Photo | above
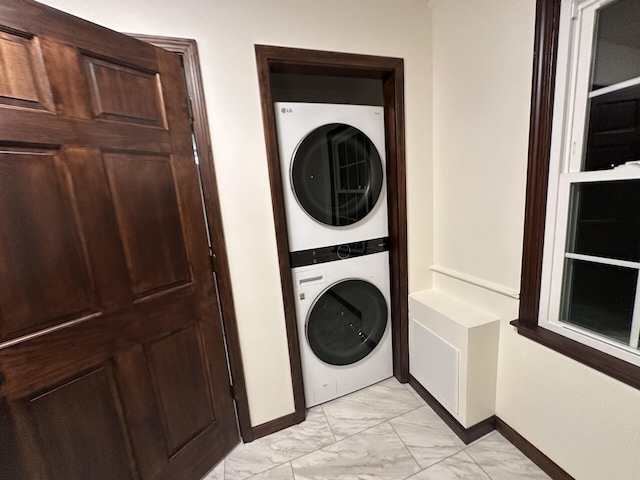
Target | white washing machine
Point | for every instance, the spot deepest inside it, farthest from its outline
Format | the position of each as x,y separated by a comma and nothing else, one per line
344,320
333,172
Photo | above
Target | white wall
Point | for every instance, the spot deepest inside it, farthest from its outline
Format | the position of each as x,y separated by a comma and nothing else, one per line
226,32
586,422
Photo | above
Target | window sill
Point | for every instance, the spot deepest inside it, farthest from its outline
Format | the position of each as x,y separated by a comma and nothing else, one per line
602,362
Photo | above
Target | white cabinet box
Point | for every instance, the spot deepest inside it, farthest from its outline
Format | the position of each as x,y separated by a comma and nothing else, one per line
453,354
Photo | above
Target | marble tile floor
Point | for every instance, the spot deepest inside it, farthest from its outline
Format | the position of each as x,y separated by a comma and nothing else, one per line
383,432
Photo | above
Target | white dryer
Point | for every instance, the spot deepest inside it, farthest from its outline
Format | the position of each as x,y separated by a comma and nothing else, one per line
333,173
343,313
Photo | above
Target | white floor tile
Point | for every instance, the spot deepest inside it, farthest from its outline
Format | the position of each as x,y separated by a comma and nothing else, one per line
281,447
283,472
458,467
426,436
415,394
376,453
383,432
363,409
217,473
502,461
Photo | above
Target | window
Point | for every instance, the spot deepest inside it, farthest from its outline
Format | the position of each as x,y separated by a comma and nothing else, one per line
581,261
592,247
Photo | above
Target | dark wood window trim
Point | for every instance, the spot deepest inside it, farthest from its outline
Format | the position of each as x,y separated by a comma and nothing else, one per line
187,48
544,70
391,70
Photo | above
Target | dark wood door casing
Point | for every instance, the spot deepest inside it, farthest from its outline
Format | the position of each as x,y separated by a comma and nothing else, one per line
111,350
391,71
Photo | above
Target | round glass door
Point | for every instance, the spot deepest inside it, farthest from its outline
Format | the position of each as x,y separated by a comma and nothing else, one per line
347,322
337,174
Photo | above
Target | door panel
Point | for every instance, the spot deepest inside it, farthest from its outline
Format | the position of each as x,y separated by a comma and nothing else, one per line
148,220
171,360
111,343
124,94
80,429
24,83
46,272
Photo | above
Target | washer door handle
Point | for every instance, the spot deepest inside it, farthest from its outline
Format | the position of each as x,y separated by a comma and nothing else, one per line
309,279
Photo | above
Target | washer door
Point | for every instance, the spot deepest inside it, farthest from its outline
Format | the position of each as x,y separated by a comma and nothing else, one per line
347,322
336,174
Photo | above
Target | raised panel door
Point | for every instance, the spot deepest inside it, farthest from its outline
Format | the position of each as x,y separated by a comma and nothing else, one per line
111,348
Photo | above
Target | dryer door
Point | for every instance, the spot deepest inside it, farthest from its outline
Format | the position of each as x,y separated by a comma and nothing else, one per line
347,322
337,174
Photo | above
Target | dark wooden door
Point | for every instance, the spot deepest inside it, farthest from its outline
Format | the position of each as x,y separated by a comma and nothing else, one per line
111,351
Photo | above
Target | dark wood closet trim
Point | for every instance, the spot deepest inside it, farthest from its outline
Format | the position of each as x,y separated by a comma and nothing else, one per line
467,435
391,71
274,426
541,122
187,48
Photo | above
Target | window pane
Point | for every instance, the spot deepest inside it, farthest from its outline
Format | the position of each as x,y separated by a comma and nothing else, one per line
617,48
599,298
613,135
605,220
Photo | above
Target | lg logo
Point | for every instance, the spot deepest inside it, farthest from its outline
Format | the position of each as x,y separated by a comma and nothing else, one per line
286,110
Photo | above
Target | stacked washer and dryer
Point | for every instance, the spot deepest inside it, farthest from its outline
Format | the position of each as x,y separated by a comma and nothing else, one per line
333,173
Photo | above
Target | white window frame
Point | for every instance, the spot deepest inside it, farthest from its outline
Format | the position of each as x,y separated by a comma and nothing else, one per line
575,44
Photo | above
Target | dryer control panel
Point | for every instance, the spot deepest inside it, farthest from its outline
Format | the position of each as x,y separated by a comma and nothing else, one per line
338,252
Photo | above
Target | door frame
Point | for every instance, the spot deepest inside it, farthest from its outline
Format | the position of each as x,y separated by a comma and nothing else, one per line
187,49
272,59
